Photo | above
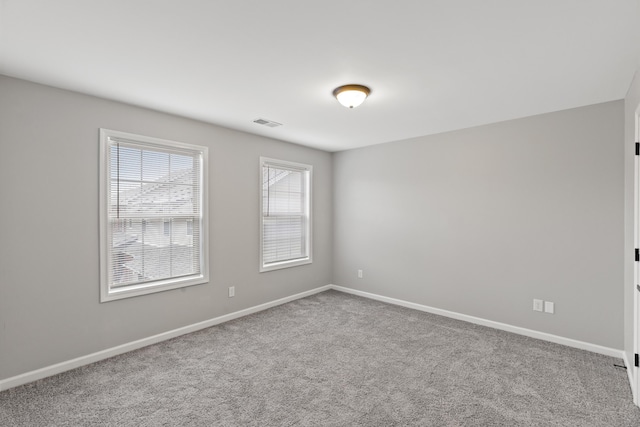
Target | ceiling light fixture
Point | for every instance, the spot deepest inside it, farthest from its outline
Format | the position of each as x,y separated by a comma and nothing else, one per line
351,95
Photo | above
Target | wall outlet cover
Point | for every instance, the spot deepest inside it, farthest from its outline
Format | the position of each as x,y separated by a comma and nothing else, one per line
549,307
537,305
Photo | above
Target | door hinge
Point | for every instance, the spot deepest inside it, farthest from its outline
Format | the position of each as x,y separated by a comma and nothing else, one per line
637,361
637,254
637,148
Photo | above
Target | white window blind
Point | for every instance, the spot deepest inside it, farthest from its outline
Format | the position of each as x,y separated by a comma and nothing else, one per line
154,230
285,218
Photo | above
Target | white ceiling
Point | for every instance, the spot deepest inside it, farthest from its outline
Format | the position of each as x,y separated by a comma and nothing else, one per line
432,65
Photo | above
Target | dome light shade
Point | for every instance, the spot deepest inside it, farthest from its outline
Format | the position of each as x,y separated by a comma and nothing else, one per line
351,95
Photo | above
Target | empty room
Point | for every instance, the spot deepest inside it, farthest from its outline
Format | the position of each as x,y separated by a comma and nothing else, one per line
336,213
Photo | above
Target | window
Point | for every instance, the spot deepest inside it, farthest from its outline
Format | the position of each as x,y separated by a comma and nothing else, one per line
285,220
153,221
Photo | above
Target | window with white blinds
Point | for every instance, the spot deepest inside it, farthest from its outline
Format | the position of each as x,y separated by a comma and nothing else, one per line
285,206
153,222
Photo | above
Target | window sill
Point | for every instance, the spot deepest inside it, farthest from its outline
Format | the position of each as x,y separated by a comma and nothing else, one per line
150,288
284,264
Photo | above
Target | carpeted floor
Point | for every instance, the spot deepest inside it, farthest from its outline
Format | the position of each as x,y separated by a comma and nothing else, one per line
334,359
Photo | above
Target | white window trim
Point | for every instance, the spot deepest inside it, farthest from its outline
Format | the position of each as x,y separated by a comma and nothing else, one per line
108,294
309,197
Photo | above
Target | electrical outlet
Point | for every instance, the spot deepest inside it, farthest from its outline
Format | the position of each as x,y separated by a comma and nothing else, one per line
232,291
549,307
537,305
359,274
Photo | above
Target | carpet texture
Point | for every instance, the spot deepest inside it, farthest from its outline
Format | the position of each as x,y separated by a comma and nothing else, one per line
334,359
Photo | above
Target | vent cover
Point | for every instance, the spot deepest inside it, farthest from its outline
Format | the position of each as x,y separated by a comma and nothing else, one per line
266,122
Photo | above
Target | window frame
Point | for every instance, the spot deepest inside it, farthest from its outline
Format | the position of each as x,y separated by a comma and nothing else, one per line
308,170
107,291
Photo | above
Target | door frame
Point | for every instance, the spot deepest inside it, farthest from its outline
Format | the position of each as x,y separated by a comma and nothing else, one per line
633,371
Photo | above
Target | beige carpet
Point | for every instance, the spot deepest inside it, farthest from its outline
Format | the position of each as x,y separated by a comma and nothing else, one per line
335,360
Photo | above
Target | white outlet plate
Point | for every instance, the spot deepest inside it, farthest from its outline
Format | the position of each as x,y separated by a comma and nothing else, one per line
232,291
359,274
549,307
537,304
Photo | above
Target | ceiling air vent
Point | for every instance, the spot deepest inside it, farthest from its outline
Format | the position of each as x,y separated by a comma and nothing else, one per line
269,123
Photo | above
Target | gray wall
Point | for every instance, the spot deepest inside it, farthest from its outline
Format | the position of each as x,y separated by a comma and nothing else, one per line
481,221
631,108
49,277
478,221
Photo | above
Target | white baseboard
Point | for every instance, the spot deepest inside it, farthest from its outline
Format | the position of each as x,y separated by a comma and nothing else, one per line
630,369
490,323
134,345
48,371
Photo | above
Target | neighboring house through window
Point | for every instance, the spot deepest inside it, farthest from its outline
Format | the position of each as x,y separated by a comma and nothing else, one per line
153,221
285,220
